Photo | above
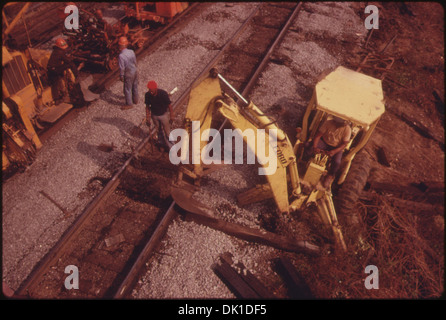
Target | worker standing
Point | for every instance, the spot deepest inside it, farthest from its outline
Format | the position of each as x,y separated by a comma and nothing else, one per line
58,64
128,73
157,103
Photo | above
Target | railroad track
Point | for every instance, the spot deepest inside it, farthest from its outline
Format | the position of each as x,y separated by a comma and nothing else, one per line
119,230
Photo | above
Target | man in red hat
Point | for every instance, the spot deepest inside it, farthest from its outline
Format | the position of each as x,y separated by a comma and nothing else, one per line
157,103
58,63
128,73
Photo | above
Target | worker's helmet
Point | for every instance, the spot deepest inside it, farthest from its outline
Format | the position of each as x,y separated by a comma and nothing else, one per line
61,43
151,85
123,42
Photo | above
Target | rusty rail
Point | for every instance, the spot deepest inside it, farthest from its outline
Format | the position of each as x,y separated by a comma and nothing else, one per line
56,252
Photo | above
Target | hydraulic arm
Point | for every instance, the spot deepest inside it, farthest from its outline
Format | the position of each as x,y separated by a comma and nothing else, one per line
280,167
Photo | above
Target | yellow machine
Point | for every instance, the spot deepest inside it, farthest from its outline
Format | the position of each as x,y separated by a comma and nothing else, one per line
27,104
343,93
358,99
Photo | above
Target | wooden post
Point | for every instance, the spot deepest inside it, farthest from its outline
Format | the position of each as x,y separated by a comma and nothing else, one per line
255,235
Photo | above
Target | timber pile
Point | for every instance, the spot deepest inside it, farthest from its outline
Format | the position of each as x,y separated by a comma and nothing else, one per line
246,286
297,287
407,249
402,234
252,235
400,239
415,197
240,280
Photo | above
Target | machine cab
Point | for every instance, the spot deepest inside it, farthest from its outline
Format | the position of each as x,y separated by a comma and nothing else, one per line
349,95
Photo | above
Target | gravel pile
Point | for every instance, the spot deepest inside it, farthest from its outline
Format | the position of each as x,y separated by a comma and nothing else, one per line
333,20
278,89
184,268
181,270
308,60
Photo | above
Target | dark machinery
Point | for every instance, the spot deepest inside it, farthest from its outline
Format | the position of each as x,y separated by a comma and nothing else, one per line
96,41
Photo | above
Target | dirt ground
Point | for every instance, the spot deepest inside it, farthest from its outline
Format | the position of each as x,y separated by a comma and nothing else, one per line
418,70
406,243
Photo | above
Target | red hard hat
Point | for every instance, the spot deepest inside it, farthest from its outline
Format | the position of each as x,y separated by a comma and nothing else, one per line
61,43
123,41
151,85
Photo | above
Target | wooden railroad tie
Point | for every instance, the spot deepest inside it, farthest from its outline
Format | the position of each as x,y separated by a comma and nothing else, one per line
297,287
241,282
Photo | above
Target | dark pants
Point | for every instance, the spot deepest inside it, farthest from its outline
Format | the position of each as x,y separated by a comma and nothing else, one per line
335,159
131,89
58,89
163,128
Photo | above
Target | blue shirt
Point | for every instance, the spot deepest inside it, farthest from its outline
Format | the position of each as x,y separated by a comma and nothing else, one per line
127,63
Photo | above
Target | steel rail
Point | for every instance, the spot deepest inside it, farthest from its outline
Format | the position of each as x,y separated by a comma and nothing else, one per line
131,277
94,205
128,282
55,253
266,58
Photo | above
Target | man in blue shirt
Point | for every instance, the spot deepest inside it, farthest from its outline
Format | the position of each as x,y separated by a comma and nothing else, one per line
128,73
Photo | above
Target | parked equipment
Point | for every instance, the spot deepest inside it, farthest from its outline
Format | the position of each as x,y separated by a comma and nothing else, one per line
28,105
95,42
162,12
